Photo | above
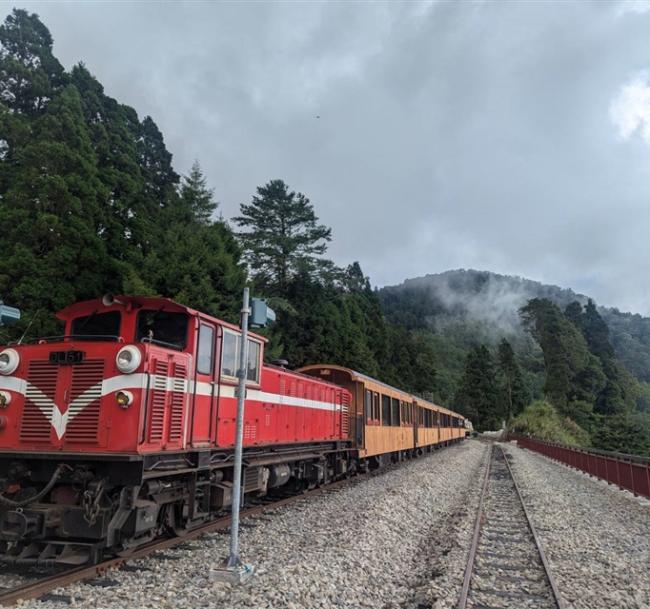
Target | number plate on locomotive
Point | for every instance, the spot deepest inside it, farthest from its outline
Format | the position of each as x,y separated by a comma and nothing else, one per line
66,357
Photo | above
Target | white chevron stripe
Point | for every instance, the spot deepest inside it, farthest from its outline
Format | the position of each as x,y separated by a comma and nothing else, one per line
60,420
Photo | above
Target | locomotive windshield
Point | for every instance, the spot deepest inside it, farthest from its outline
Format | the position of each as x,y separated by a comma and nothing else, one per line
97,326
163,328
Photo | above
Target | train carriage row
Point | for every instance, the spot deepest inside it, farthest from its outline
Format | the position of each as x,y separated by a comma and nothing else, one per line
387,422
123,428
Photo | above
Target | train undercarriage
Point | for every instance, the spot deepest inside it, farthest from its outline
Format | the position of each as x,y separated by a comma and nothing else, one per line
76,509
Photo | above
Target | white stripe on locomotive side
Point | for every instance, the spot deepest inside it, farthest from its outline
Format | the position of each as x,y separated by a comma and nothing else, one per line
170,383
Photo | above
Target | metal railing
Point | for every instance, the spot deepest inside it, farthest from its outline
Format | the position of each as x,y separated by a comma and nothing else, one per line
628,472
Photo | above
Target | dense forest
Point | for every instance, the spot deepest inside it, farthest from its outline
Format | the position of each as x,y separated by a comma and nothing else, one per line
90,203
503,343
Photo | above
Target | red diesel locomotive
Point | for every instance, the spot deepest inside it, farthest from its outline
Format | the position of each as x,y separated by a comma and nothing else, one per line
123,429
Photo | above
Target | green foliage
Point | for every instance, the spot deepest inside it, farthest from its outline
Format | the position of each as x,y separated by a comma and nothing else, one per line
572,372
513,392
89,200
541,420
477,395
626,433
197,199
282,238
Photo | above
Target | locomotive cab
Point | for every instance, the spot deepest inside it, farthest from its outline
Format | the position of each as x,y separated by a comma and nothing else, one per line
85,391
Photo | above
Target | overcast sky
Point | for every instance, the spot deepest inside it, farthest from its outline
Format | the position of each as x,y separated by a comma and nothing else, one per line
509,136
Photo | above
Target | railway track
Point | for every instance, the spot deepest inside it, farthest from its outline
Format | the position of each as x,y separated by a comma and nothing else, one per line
28,584
506,567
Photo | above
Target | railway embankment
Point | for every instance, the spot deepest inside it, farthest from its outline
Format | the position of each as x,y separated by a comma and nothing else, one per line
373,544
400,539
596,537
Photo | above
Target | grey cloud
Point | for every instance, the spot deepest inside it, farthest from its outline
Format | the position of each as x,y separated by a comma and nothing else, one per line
451,134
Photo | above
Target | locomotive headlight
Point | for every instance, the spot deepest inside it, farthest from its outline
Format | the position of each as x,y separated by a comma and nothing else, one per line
124,399
9,360
128,359
5,399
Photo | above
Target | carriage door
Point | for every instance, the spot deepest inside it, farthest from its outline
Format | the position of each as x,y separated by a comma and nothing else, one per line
204,386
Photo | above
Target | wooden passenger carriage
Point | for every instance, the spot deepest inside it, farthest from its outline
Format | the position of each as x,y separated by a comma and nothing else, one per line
387,421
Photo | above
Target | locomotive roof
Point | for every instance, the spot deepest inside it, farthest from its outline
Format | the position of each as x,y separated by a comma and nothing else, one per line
359,376
121,302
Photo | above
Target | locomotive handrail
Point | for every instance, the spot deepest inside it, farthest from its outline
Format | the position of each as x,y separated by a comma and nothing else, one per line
67,337
162,343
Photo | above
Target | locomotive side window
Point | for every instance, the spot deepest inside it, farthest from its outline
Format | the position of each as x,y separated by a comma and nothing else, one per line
253,369
230,354
162,328
230,358
97,326
205,352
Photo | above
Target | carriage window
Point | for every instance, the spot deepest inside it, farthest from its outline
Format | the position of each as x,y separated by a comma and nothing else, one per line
368,404
253,372
385,410
162,328
394,415
375,406
97,326
230,354
205,352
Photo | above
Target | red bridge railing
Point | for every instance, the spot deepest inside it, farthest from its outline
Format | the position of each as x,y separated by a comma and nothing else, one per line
626,471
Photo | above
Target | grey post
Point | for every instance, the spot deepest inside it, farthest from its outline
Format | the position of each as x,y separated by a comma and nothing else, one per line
233,559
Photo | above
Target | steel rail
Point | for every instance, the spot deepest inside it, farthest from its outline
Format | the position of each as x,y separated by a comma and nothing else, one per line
43,586
464,594
538,542
462,602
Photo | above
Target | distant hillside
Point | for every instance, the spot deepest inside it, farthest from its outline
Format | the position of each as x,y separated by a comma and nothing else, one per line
464,307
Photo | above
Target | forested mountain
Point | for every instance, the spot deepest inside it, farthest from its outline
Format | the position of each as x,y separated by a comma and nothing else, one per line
590,363
480,306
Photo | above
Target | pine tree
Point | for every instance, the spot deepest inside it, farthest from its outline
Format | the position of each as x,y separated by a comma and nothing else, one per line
30,75
196,197
477,396
283,237
513,389
573,373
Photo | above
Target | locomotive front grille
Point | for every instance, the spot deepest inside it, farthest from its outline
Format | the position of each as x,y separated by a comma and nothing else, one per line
41,391
85,394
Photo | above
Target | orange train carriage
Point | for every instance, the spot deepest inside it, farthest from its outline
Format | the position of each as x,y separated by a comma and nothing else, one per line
386,422
123,428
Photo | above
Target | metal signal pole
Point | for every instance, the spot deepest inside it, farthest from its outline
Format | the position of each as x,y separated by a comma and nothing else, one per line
234,571
233,559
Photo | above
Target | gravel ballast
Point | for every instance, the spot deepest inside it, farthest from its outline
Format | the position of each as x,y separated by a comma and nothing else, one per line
395,540
596,537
